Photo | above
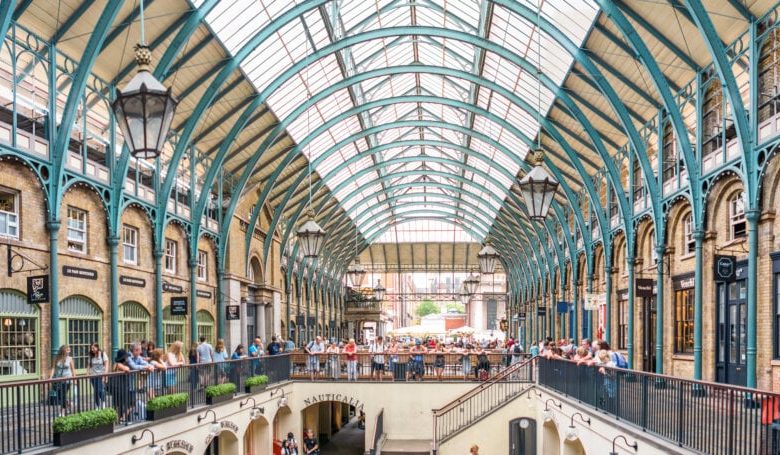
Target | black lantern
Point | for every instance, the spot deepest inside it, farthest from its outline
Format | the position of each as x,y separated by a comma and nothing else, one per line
144,109
487,258
538,188
311,236
464,297
356,273
379,291
471,284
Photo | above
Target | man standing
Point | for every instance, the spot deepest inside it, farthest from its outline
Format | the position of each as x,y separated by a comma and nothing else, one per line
274,347
205,355
255,352
378,360
314,349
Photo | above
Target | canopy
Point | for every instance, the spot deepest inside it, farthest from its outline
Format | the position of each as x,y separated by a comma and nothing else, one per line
462,331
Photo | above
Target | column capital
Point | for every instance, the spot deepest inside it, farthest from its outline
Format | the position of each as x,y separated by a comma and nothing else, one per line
53,225
752,215
158,253
112,240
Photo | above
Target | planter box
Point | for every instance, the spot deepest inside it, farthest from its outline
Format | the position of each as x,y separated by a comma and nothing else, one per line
254,388
218,399
62,439
167,412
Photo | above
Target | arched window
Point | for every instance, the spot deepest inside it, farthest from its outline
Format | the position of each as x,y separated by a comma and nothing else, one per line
173,327
133,324
769,76
80,324
19,352
689,246
205,324
712,113
737,215
669,153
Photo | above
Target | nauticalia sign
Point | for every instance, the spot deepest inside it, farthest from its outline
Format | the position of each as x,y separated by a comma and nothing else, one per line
334,397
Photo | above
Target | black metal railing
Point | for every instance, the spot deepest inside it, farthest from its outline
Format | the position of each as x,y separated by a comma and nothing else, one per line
482,400
28,409
401,366
702,416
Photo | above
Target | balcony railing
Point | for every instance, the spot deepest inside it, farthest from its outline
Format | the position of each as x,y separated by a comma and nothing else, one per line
705,417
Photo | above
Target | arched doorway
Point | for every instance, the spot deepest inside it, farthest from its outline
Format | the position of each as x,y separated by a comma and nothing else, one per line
336,427
257,437
573,447
551,441
225,443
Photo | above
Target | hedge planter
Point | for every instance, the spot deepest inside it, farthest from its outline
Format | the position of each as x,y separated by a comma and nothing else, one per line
219,393
72,437
166,412
255,384
254,388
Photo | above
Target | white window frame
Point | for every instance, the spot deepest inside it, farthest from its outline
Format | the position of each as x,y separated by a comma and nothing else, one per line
11,218
736,215
171,250
130,244
689,244
75,244
202,265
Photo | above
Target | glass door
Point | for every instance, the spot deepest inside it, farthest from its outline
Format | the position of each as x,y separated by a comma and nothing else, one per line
732,333
648,318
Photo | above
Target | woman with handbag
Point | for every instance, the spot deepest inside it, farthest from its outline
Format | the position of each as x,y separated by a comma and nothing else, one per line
98,366
62,368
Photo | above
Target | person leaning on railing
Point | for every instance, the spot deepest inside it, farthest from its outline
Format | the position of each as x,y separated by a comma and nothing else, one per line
334,364
62,368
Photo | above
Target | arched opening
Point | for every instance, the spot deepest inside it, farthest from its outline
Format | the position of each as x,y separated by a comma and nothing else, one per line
173,327
205,322
19,354
551,440
133,324
223,443
81,324
254,272
335,425
573,447
522,436
257,437
283,424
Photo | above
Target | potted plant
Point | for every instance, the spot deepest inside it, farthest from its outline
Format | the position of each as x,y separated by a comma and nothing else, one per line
255,384
219,393
166,406
83,426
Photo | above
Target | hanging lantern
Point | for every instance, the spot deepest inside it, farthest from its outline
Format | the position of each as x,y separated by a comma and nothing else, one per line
379,291
487,258
356,273
464,297
471,284
144,109
538,188
311,236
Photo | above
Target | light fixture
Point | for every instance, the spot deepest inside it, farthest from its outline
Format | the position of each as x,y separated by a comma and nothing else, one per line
488,257
538,186
548,413
311,236
571,433
379,291
214,427
151,449
144,108
471,284
256,411
7,322
620,436
356,273
282,400
464,297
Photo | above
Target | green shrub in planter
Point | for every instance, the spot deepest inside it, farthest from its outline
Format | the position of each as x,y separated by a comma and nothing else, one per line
255,384
83,425
220,392
166,405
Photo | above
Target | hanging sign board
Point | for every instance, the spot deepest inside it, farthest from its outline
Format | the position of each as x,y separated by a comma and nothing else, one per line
179,306
541,311
78,272
233,312
38,289
622,294
521,316
725,268
645,287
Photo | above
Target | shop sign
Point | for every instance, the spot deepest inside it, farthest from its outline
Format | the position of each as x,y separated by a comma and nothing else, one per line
233,312
332,324
38,289
521,316
645,287
725,268
168,287
686,281
541,311
178,306
78,272
325,397
622,294
311,321
563,307
132,281
203,294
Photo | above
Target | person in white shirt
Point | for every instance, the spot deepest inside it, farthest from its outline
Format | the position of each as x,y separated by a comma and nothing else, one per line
378,360
314,349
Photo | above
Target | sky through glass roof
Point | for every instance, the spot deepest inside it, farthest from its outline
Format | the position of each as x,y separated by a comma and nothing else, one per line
426,158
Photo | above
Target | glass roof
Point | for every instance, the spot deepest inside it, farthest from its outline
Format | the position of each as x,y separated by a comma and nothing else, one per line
373,186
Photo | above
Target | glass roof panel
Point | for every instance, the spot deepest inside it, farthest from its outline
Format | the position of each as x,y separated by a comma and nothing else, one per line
236,21
416,229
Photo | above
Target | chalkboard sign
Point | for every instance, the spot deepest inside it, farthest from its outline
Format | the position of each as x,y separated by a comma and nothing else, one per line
179,306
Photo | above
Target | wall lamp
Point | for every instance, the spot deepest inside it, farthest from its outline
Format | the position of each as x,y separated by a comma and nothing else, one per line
152,449
547,413
620,436
532,392
256,411
571,433
214,427
282,400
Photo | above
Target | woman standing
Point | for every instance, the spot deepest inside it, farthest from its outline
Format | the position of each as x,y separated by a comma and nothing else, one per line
438,362
194,359
351,351
333,360
220,356
156,379
98,366
119,386
62,368
236,368
173,362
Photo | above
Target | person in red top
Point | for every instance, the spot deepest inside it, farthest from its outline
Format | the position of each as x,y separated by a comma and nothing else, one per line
351,351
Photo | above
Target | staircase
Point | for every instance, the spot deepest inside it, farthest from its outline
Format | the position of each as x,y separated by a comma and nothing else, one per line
406,447
480,402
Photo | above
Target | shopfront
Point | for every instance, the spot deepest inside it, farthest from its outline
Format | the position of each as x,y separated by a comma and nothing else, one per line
646,290
732,325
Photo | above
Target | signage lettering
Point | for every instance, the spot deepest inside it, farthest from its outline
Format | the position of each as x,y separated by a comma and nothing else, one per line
203,294
232,313
178,306
179,444
168,287
78,272
521,315
725,268
683,282
541,311
132,281
645,287
38,289
229,425
333,397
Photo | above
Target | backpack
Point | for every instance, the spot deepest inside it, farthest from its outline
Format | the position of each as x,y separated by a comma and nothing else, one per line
517,349
620,360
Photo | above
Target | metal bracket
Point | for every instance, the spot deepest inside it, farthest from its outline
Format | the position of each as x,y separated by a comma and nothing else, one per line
16,262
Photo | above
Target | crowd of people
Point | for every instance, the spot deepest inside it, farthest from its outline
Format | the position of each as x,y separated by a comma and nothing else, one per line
589,352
